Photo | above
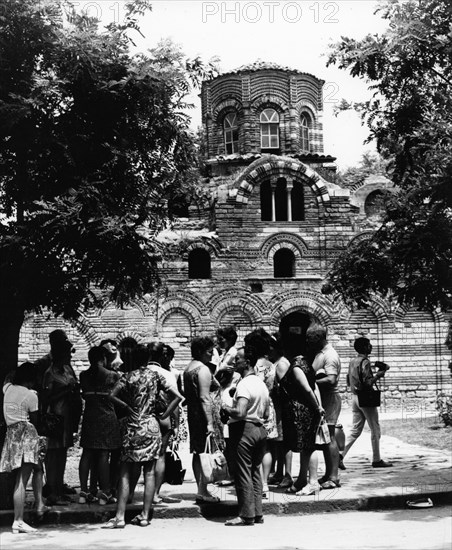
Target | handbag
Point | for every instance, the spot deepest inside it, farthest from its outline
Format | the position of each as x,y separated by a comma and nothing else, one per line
322,434
367,396
214,467
174,473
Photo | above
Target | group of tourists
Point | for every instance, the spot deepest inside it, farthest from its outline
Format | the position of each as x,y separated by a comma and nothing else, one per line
258,404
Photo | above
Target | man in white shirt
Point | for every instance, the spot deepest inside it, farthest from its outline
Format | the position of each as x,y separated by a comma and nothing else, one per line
247,438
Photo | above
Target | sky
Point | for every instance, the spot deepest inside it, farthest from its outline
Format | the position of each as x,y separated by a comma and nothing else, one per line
296,34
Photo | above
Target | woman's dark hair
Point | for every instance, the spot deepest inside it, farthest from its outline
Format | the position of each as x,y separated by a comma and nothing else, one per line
361,344
260,340
228,333
24,373
140,356
96,354
126,347
199,345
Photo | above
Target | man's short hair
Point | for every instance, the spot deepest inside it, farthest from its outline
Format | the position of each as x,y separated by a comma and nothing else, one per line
156,350
361,344
316,337
260,341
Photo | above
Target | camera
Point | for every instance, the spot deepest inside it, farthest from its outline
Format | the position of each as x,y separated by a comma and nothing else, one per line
381,366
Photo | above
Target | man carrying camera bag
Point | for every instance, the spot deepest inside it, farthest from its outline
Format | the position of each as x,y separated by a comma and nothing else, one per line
360,379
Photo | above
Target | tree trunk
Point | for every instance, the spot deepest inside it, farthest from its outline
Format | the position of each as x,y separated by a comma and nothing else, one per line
11,320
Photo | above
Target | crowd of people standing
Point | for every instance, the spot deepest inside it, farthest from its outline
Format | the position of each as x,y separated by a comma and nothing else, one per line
258,403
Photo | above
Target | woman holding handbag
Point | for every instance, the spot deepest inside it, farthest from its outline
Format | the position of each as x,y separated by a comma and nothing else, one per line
361,377
201,390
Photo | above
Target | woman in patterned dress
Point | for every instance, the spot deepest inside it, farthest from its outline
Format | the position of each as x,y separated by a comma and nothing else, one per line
23,449
301,413
137,393
202,397
100,426
283,456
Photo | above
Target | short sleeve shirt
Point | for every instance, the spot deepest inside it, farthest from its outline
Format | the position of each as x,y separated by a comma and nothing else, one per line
18,402
255,391
356,364
328,361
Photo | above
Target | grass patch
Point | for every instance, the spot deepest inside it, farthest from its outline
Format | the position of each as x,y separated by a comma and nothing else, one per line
428,432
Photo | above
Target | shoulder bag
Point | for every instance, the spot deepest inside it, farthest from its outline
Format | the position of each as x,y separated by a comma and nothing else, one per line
368,396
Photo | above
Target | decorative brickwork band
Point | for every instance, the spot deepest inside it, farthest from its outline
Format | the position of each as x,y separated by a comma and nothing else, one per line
271,166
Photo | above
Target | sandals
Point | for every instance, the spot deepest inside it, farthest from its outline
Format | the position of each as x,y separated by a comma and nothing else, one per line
330,484
114,523
201,499
140,521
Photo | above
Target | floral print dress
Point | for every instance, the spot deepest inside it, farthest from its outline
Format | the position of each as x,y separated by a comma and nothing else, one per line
265,369
141,438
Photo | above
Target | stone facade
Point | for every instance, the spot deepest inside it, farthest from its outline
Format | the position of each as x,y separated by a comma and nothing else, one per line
259,256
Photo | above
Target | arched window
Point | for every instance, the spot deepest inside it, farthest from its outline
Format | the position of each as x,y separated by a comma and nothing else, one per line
231,133
284,263
297,201
281,200
266,201
374,205
269,120
305,125
199,264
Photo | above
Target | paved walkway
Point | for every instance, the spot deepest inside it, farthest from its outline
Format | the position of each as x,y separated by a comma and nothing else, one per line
418,472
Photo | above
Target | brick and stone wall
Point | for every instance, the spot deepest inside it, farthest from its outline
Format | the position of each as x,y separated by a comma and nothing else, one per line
242,289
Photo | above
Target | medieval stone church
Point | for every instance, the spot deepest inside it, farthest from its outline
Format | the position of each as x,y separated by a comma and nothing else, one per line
259,256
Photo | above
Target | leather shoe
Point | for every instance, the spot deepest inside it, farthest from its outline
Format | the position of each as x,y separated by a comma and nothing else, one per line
381,464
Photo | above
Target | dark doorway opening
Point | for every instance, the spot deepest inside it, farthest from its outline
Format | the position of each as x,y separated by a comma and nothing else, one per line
293,329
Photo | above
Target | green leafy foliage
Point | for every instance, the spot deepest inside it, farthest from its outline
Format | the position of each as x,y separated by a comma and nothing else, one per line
369,165
409,71
94,146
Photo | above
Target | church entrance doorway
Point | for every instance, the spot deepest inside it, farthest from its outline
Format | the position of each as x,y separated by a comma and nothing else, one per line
293,329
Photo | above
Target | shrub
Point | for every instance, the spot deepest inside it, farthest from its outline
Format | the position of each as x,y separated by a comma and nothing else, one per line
444,408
